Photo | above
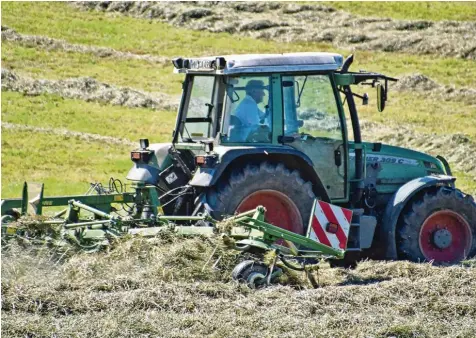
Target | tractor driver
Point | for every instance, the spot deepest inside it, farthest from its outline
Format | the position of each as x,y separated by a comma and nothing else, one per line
248,111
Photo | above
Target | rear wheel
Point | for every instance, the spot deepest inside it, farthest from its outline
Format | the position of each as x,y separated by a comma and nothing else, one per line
440,227
286,196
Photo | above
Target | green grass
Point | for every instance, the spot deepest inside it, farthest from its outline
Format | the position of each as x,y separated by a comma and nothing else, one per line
65,165
141,36
465,182
160,77
417,10
424,114
89,117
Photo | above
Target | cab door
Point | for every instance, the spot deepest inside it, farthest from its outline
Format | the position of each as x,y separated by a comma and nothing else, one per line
314,124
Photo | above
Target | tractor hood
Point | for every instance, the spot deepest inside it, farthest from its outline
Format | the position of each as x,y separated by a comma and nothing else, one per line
388,167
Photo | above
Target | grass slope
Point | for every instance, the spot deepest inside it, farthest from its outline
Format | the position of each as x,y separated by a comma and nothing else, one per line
169,287
88,117
57,64
142,36
66,165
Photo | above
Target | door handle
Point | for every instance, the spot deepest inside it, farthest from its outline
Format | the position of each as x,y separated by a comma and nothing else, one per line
338,157
286,139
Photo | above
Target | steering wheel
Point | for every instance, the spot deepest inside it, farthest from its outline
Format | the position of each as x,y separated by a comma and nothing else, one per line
261,134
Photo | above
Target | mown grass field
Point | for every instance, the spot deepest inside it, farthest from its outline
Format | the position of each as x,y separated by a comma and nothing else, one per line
169,288
176,287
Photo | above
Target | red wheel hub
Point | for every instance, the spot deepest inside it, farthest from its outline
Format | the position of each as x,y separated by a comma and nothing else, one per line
445,237
280,209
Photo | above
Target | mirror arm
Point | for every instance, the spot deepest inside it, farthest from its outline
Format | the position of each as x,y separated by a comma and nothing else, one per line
359,96
354,94
302,89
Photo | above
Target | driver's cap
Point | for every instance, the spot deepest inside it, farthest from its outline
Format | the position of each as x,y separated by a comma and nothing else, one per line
255,84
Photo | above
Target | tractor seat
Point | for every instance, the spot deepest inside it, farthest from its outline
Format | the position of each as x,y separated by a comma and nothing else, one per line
235,129
235,121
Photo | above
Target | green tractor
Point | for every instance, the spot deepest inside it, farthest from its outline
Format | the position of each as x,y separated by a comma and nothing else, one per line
271,130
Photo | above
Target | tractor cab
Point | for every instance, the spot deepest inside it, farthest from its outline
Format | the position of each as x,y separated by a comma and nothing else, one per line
251,99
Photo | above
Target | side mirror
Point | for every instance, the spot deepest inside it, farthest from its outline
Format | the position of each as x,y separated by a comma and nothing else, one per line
381,97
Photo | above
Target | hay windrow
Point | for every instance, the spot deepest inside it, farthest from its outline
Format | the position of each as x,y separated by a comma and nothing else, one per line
164,287
44,42
286,22
87,89
423,84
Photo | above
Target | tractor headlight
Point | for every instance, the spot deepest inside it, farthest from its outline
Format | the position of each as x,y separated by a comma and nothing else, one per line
141,156
206,161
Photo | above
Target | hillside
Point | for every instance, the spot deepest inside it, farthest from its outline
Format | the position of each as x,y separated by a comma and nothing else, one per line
90,62
83,82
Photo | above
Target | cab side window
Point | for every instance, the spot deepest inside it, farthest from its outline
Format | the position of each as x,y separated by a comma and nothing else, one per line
310,107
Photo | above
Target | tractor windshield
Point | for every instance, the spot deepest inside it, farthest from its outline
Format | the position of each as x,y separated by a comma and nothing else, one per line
198,112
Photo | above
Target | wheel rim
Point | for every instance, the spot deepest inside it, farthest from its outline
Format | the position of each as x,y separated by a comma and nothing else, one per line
280,209
445,237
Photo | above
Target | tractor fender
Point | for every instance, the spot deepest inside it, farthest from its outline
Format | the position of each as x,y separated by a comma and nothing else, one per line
396,204
149,172
229,157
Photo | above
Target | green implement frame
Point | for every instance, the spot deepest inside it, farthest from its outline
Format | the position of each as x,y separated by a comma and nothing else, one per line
38,202
249,230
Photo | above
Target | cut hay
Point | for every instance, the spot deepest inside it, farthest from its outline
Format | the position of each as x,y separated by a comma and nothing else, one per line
87,89
423,84
169,287
44,42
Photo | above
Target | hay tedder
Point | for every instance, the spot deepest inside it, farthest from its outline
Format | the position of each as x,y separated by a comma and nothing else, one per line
85,225
262,141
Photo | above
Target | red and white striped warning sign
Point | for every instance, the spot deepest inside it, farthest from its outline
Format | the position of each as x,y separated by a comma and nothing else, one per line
330,225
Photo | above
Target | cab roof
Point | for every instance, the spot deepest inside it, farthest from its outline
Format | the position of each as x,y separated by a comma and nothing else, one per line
259,63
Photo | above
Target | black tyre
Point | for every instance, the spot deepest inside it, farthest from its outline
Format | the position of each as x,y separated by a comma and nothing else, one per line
12,212
286,196
348,262
439,227
242,271
254,273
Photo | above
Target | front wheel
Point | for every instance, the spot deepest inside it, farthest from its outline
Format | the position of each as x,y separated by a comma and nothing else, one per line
440,227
